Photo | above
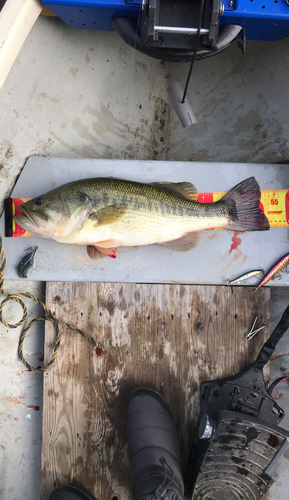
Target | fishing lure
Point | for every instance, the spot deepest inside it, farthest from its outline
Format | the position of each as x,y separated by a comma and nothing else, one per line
274,271
26,263
246,276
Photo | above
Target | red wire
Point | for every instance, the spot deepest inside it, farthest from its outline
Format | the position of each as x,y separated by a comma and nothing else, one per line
279,382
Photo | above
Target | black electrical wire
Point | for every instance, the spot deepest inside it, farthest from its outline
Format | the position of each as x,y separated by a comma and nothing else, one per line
195,49
270,346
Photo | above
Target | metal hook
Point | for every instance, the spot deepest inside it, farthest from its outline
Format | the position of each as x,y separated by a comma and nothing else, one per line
253,332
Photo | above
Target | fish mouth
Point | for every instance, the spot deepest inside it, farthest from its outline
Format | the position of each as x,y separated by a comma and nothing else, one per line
29,220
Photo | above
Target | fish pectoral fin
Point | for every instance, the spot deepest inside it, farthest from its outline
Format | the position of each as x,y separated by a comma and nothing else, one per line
185,243
185,189
109,214
94,218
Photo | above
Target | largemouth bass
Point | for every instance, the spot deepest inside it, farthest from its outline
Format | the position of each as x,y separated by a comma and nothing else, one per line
106,213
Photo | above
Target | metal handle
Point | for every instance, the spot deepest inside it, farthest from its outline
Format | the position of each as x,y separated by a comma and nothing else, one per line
180,31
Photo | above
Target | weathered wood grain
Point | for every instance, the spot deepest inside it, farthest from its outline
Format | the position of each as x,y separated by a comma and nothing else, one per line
170,337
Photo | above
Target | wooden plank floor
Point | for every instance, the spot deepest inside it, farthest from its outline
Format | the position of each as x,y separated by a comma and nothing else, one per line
170,337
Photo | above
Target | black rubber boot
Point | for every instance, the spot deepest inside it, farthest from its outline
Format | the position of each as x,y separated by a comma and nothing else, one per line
71,491
153,448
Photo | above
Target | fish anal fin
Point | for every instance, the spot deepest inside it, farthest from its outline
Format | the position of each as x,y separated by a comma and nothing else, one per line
184,189
185,243
109,214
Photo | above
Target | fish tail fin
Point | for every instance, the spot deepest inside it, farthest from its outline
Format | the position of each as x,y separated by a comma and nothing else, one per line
243,203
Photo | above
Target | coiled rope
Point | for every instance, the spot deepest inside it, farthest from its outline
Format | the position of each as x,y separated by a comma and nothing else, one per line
47,317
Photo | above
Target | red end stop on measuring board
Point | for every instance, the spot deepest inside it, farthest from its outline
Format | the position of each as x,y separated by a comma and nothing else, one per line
11,207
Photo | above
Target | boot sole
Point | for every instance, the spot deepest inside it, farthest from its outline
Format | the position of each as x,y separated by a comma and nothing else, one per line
75,488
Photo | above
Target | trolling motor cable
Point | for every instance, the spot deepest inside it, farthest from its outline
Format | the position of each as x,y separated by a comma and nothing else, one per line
195,50
47,317
178,97
270,345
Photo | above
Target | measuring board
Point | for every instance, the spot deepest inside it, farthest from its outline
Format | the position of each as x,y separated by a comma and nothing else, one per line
220,255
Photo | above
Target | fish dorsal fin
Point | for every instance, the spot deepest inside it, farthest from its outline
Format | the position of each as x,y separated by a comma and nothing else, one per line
185,189
109,214
183,244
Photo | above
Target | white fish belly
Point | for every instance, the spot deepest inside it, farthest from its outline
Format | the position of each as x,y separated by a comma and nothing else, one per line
136,229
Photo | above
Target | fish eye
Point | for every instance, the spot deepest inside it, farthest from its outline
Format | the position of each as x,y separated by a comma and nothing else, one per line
38,201
82,197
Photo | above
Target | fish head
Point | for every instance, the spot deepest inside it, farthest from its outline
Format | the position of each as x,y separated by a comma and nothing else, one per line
56,214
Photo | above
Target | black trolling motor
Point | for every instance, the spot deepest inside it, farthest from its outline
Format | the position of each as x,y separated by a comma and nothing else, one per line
238,449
